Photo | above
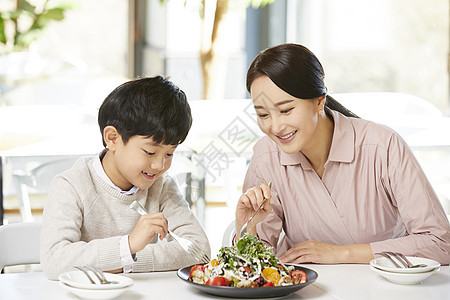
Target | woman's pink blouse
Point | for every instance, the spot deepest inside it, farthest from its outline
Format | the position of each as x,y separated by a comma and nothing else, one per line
372,191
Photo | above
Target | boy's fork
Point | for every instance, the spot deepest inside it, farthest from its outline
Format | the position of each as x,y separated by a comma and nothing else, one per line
187,245
99,274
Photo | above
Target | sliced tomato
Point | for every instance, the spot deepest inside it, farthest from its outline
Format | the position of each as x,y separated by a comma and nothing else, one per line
298,276
269,283
218,281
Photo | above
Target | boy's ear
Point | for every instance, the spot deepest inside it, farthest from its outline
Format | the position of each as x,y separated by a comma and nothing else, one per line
112,137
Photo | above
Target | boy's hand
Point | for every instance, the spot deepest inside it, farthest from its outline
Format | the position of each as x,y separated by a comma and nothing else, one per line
145,230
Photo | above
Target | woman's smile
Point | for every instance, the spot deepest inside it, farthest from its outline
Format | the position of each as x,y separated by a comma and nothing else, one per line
287,137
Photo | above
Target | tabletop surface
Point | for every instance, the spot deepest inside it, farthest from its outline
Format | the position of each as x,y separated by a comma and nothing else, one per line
334,282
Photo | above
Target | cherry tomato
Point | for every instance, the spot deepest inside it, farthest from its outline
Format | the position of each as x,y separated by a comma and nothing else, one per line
218,281
271,274
269,283
298,276
195,269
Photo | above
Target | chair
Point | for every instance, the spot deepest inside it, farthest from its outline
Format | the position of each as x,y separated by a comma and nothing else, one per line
19,244
38,180
190,179
228,235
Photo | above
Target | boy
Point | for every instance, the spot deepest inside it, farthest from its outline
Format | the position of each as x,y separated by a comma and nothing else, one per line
87,219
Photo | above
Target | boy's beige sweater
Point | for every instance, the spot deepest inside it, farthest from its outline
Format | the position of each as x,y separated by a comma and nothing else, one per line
84,219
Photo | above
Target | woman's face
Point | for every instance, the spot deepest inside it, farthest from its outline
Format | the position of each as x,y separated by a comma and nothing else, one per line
291,122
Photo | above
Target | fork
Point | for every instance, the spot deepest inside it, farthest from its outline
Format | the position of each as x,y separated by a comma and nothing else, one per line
187,245
401,258
86,273
244,228
99,274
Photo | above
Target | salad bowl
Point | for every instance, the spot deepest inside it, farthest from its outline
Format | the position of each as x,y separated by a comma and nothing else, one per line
249,293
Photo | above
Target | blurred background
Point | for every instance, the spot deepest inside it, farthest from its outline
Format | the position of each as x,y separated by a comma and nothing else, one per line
387,60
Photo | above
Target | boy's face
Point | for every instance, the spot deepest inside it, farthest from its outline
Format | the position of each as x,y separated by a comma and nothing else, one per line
138,162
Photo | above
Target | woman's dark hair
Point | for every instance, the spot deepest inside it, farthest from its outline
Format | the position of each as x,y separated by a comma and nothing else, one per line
152,107
295,70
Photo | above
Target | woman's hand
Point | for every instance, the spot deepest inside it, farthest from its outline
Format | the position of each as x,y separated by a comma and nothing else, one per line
313,251
145,230
248,203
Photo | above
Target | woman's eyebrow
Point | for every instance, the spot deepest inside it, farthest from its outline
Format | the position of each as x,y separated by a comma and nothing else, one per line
283,102
279,103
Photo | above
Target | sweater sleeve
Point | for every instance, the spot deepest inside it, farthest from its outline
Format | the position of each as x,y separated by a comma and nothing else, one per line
164,255
61,244
427,226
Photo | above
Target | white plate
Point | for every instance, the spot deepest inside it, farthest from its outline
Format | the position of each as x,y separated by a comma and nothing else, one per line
385,264
273,292
405,278
94,294
79,280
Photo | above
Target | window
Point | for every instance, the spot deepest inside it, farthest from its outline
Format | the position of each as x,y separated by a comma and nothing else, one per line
377,46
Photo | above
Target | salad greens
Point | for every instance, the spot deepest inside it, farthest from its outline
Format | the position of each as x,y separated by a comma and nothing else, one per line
247,264
248,251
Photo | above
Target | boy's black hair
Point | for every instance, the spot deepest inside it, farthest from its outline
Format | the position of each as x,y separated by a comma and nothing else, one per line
152,107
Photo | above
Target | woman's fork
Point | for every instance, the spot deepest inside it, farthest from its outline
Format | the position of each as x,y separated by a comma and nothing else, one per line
187,245
401,258
244,227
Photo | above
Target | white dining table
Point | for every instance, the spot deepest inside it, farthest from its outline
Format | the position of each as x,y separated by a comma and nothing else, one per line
345,282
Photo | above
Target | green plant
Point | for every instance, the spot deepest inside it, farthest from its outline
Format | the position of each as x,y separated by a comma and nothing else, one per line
26,20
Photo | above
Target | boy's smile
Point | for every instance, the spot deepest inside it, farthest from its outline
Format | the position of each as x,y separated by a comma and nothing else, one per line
138,163
148,175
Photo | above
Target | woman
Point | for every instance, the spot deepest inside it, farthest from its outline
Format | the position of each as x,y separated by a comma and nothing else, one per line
343,188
